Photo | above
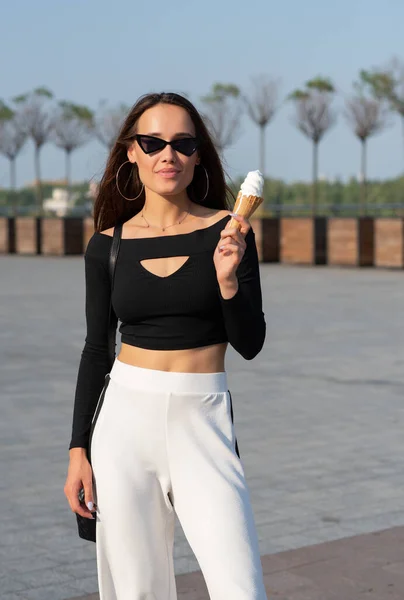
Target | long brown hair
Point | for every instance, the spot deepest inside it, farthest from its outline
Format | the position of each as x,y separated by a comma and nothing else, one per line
109,206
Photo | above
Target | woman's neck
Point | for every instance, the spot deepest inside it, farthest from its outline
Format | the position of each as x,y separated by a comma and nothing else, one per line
162,211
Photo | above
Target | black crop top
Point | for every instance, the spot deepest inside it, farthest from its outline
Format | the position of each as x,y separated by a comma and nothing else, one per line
182,310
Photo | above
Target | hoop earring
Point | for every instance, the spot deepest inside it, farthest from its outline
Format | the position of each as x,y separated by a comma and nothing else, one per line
207,183
117,185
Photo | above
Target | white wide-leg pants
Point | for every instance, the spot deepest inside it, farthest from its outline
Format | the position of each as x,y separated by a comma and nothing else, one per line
163,443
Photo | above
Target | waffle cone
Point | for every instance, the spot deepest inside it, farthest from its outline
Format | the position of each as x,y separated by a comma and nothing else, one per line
245,206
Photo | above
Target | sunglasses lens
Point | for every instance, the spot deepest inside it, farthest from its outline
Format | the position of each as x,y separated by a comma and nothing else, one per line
186,146
150,144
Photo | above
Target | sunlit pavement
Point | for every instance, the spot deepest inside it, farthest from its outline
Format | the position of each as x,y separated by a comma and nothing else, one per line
318,416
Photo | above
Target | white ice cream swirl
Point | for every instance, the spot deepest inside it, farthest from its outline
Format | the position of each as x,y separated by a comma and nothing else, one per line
253,184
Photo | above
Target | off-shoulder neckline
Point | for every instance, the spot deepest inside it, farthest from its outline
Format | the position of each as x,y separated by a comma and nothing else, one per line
165,237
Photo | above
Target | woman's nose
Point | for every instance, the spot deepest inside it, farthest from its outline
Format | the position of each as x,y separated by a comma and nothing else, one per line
168,154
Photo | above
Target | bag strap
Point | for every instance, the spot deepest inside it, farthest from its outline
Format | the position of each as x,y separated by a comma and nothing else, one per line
112,321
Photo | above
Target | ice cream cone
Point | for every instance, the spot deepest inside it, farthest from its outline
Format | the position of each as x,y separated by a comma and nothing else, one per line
245,206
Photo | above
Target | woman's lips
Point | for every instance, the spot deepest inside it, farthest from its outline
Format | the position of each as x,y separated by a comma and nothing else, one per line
168,174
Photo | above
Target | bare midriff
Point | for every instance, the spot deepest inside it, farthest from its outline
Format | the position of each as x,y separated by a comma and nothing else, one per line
206,359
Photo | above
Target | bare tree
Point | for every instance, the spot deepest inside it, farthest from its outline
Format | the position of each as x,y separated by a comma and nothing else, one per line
387,83
12,139
73,128
261,107
314,117
108,122
225,107
37,120
366,116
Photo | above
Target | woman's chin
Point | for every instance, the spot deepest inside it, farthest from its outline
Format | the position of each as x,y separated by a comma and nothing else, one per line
170,190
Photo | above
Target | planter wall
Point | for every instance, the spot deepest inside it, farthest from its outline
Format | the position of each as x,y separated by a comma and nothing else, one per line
303,240
4,235
296,240
389,243
366,245
354,242
351,242
26,235
270,240
52,236
73,235
320,242
342,241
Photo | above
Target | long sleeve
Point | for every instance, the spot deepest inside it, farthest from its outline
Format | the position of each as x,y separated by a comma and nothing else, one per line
94,363
243,316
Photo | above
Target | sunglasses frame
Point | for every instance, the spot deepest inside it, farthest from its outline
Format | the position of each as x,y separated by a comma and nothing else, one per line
139,137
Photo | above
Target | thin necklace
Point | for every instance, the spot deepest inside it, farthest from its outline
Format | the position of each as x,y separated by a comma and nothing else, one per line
164,228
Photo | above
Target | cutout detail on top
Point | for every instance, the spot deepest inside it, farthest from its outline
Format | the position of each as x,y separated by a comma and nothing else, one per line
164,267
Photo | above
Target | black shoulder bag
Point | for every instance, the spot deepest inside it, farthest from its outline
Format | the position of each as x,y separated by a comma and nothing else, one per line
87,527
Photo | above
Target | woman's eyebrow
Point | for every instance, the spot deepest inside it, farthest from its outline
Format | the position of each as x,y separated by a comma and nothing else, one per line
181,134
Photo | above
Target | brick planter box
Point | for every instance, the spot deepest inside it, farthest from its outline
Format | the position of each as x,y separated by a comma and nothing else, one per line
26,235
4,235
52,236
303,240
389,243
296,240
270,240
266,238
320,241
366,242
342,241
73,235
351,242
256,225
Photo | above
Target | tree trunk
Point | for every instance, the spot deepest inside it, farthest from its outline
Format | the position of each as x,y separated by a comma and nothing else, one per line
262,149
13,187
68,170
363,191
402,124
38,180
12,174
315,179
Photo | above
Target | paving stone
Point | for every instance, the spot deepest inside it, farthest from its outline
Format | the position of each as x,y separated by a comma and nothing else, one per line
8,583
51,592
87,585
44,577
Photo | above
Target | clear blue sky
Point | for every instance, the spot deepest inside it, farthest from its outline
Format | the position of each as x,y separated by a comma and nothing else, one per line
87,50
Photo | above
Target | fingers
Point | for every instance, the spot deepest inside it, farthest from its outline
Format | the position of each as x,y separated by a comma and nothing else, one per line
89,499
77,499
231,236
231,247
243,224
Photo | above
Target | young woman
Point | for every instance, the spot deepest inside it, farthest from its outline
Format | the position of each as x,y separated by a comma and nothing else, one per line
164,443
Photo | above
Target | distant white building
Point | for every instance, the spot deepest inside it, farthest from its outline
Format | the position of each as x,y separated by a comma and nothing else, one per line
59,203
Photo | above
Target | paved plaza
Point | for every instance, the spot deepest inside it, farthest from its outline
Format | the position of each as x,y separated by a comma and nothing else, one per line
319,417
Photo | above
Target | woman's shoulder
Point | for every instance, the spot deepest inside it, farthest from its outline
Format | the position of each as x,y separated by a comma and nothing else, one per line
99,245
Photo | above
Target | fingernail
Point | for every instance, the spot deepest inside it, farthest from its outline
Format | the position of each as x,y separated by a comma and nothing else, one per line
90,505
234,215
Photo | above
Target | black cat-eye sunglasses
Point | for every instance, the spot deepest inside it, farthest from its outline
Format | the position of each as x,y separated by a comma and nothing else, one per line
149,144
